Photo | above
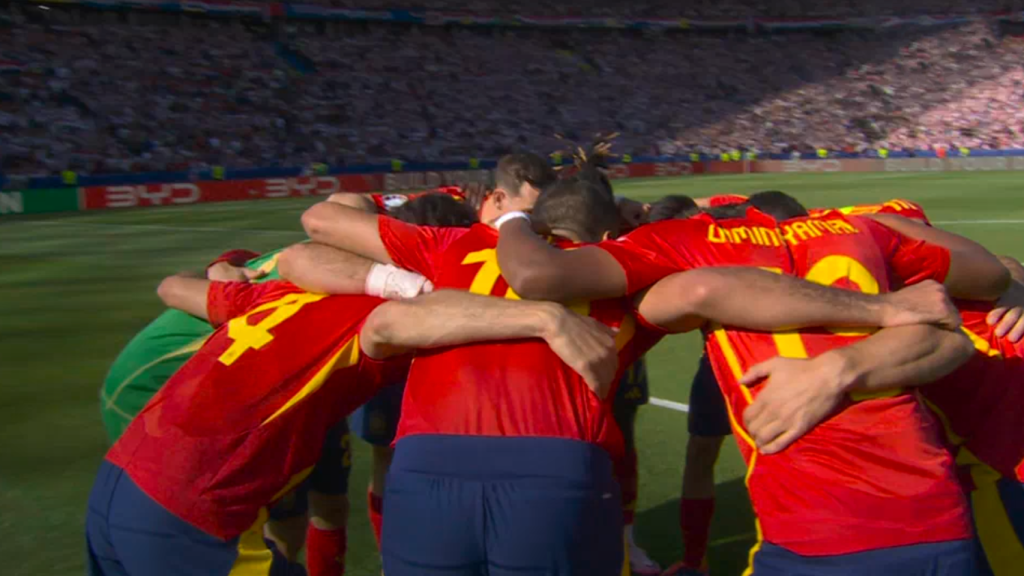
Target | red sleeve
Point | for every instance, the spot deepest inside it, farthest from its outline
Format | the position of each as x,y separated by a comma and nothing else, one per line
726,200
227,300
416,248
912,261
906,209
644,256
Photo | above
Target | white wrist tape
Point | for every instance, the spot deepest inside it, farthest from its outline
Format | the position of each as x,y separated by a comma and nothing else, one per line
510,216
393,283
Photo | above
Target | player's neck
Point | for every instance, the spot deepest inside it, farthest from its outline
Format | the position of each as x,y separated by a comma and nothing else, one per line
567,234
489,215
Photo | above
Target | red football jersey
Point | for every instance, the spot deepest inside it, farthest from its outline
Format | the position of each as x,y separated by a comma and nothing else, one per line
506,388
726,200
387,202
876,474
979,403
242,422
904,208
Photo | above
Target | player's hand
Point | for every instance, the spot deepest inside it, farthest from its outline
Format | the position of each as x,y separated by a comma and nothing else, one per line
225,272
1014,266
923,303
587,346
797,396
1008,315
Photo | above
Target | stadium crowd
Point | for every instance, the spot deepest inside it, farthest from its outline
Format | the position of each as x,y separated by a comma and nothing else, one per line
692,9
116,98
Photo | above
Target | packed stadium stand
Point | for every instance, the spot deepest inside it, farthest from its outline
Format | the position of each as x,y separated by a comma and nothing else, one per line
108,93
678,9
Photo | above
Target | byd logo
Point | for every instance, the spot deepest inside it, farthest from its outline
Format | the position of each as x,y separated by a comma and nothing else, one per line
285,187
150,195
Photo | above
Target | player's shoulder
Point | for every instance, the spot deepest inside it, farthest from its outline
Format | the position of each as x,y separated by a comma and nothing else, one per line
265,292
905,208
697,224
476,236
726,200
896,206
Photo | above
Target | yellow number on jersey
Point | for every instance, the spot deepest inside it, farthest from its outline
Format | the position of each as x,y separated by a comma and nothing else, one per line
827,272
253,337
488,274
487,277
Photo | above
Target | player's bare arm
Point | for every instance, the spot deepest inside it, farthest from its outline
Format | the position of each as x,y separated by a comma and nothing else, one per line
800,393
539,271
362,202
323,269
347,228
185,291
682,301
326,270
450,318
974,272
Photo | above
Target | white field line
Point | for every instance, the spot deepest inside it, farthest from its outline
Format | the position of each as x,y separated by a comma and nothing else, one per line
677,406
983,222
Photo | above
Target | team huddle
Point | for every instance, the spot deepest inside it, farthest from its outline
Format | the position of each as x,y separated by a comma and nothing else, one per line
490,347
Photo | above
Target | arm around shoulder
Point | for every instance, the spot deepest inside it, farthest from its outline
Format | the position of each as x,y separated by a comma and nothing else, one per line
185,292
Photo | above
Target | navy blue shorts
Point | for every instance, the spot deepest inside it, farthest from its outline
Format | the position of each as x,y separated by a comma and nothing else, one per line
708,415
377,420
940,559
129,534
329,476
473,505
634,389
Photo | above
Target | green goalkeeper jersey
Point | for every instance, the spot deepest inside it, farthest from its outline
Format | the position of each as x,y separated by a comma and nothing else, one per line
154,355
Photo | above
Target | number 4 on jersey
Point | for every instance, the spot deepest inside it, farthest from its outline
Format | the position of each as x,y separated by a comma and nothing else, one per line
247,337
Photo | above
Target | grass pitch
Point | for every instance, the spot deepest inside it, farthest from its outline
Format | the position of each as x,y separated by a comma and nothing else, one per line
75,288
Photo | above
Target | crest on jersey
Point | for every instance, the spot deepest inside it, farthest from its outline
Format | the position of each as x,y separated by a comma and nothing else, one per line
392,201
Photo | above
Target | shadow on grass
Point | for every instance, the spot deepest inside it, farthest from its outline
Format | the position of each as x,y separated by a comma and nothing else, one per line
732,530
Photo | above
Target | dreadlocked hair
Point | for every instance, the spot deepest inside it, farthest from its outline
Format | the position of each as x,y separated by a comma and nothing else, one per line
591,163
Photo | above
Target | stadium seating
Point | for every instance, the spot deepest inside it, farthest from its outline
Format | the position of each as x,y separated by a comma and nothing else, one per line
108,98
688,9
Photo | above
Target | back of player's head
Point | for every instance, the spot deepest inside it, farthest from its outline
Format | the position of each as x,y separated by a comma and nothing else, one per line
777,204
579,206
515,170
436,210
672,207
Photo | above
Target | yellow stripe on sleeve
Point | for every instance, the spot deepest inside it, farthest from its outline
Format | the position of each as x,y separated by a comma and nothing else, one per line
982,345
